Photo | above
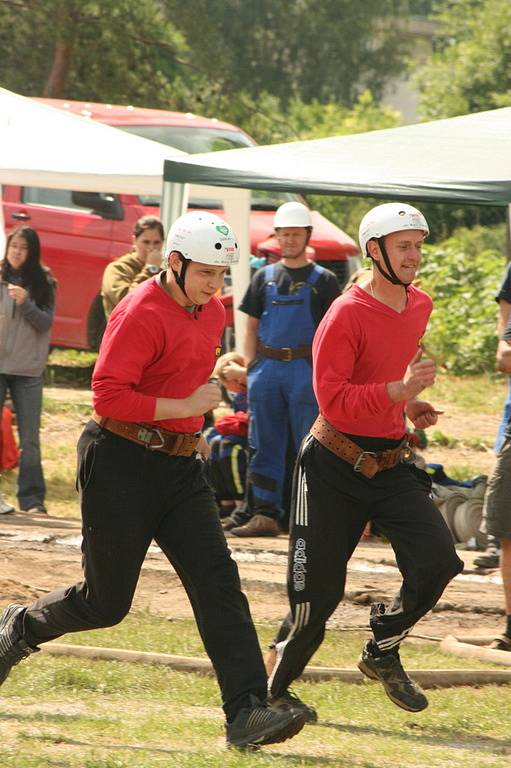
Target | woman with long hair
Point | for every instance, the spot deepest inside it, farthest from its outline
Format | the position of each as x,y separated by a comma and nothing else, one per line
27,297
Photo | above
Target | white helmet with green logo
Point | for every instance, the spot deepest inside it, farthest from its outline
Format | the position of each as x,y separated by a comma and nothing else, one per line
203,237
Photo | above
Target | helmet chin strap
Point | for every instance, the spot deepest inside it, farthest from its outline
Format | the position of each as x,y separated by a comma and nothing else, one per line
180,278
390,275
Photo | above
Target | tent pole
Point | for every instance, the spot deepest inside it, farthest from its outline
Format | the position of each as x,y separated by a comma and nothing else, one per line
174,201
237,213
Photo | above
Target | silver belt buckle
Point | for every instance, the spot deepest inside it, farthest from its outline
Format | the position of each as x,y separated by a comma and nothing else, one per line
156,431
357,466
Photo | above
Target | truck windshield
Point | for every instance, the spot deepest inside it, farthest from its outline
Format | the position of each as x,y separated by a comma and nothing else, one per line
195,140
190,139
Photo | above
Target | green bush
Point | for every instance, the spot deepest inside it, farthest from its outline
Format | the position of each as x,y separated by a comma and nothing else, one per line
462,275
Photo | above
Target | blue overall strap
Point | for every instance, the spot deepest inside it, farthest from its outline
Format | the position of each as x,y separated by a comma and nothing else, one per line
269,274
316,273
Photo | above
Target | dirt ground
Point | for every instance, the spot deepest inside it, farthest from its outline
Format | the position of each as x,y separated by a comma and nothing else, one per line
39,553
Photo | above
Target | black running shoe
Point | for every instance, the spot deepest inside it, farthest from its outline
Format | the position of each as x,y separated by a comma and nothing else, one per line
260,724
289,700
490,559
398,686
12,646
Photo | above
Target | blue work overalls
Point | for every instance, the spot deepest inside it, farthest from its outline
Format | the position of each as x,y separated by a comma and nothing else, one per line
280,394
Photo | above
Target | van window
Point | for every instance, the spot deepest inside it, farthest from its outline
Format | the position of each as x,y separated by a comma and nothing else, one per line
56,198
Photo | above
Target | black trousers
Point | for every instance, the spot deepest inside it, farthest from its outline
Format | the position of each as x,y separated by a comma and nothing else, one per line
331,506
129,496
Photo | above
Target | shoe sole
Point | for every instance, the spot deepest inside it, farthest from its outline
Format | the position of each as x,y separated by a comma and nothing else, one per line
273,735
371,674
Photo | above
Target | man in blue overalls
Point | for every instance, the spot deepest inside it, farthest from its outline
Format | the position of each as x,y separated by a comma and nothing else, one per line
284,303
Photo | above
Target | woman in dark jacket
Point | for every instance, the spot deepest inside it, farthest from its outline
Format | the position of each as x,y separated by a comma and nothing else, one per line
27,294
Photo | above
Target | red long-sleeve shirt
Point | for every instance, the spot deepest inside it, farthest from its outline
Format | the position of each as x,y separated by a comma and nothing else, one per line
359,346
154,348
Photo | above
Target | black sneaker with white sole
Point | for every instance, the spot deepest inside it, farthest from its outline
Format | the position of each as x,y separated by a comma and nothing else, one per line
13,648
389,671
289,700
261,724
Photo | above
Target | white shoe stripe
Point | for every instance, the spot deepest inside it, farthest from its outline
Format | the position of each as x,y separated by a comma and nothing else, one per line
390,642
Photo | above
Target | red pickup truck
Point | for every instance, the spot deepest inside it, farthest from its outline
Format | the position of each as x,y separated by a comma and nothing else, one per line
81,232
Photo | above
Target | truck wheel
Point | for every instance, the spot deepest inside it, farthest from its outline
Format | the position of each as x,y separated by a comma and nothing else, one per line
96,324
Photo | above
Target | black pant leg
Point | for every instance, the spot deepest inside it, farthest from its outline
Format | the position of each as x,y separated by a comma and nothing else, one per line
326,525
192,539
424,550
117,513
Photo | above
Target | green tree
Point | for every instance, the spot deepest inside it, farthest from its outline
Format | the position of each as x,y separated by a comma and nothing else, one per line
323,50
471,68
105,50
463,274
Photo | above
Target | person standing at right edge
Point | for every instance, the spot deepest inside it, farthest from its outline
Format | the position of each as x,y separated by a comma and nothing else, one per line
355,466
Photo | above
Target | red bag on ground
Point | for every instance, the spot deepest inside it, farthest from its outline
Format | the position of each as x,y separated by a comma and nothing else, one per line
9,453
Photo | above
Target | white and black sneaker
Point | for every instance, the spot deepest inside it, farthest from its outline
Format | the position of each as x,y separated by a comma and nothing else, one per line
261,724
13,648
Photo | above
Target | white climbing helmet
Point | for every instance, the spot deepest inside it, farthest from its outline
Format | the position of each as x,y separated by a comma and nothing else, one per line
203,237
292,214
387,218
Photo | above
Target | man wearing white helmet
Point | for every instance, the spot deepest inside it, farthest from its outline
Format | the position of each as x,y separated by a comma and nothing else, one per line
355,464
139,480
285,303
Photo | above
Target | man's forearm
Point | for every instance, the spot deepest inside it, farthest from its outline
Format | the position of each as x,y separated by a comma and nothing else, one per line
250,346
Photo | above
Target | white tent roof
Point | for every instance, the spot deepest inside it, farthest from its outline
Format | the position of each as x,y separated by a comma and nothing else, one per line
463,159
46,147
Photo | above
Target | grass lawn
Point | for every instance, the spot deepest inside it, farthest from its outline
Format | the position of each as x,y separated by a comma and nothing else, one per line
78,714
483,394
60,712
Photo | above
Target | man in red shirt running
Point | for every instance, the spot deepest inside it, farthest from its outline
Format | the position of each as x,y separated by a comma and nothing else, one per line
355,465
140,478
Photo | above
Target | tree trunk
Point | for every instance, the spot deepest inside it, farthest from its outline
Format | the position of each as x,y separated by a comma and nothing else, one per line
57,79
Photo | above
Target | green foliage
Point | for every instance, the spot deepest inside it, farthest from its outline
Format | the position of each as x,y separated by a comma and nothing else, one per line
445,218
462,279
328,50
471,68
121,51
198,56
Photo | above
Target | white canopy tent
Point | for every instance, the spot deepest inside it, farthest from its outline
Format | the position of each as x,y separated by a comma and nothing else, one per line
47,147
